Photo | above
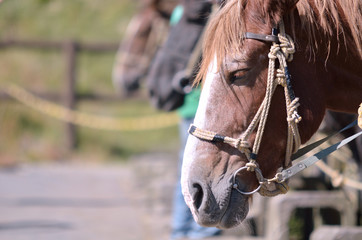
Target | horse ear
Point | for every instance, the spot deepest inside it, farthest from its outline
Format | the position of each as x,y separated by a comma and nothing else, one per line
276,9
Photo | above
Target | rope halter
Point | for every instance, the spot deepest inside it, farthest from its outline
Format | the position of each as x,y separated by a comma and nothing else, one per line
282,49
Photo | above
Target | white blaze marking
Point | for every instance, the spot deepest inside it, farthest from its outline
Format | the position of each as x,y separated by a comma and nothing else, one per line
200,119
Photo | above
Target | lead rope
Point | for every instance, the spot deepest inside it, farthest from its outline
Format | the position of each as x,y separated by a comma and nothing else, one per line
282,51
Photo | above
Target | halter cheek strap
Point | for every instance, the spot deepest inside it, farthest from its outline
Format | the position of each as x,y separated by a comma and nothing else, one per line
261,37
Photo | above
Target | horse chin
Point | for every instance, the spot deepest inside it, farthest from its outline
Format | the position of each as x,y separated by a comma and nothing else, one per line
236,212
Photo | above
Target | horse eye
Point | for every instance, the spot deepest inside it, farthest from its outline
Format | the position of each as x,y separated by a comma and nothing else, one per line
239,74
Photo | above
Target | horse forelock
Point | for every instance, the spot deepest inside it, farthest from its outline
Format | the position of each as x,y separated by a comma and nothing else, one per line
223,36
339,19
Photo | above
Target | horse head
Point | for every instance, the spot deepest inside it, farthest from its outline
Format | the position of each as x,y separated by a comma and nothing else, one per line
145,32
252,115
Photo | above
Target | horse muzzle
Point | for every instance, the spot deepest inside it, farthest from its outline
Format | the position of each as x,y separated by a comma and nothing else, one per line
215,203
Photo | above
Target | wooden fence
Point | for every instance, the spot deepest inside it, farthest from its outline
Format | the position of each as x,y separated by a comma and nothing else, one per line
68,95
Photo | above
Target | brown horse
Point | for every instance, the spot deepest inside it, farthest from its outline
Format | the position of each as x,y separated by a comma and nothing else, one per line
244,63
145,32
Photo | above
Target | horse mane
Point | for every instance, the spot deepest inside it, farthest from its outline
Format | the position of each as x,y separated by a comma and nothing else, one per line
333,18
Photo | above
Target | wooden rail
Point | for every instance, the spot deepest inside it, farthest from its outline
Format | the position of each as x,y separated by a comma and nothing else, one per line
68,95
58,45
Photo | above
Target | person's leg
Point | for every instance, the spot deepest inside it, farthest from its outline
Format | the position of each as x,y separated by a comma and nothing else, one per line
182,217
198,232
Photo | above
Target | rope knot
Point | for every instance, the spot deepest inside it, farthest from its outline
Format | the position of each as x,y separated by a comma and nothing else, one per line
293,115
273,51
242,145
252,165
338,181
287,46
280,78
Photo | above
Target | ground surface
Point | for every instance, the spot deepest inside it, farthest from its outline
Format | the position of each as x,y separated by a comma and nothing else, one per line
129,201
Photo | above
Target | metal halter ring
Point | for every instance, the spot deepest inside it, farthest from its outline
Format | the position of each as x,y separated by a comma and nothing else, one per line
235,185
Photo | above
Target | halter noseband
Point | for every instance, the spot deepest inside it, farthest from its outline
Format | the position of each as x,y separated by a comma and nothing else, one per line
282,49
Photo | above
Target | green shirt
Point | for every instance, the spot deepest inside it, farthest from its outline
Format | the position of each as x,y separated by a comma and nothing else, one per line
176,15
191,102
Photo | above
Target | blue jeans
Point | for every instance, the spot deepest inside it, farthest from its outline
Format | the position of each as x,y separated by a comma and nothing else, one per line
183,224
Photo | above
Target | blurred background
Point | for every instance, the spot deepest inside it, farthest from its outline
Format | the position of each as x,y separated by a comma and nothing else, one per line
63,51
65,181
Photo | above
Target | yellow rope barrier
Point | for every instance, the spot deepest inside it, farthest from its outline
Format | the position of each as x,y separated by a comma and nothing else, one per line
337,178
153,122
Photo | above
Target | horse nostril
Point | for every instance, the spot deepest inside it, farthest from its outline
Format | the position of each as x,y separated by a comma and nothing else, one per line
197,195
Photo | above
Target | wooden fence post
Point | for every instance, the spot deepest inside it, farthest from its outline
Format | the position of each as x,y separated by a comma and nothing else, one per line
70,51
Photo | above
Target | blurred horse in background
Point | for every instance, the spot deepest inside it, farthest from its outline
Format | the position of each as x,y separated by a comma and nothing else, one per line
146,31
